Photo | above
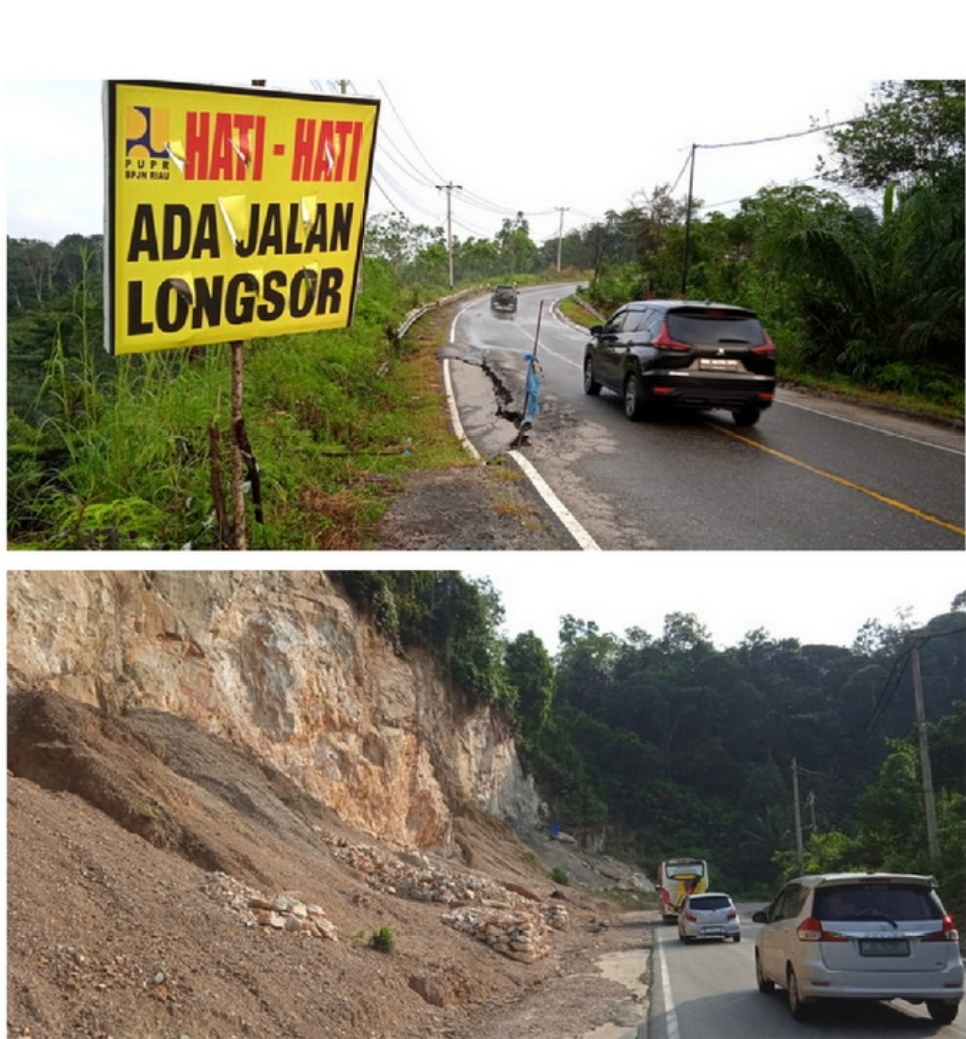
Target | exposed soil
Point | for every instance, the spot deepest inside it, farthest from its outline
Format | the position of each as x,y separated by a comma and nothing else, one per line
483,507
146,860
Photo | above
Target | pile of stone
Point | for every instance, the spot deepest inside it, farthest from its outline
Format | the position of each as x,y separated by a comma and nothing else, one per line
285,912
511,921
520,934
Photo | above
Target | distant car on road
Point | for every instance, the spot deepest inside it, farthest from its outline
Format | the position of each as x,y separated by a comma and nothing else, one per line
676,353
709,915
866,936
503,297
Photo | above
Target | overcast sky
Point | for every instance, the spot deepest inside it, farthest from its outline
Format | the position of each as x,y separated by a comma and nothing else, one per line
816,597
580,108
505,149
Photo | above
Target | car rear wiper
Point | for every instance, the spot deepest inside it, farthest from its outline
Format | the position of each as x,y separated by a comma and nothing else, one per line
725,339
875,914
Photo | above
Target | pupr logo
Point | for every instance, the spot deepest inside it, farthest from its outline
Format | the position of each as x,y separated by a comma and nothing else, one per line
146,137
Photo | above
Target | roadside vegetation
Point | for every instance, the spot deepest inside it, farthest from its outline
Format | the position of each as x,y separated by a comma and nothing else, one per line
663,745
131,452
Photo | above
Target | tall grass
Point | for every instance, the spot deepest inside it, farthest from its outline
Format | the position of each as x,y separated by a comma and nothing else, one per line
124,462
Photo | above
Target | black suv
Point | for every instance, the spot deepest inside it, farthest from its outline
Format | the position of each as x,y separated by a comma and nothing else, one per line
503,297
686,354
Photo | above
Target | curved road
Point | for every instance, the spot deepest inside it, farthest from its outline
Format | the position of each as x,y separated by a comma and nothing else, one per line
813,474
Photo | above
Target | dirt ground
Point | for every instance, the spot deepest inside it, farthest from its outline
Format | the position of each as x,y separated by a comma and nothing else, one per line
474,508
144,856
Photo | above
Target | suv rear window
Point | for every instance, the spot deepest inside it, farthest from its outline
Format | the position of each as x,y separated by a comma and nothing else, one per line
714,327
889,901
709,902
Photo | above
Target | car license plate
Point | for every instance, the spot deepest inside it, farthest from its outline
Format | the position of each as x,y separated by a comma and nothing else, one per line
717,364
712,930
884,947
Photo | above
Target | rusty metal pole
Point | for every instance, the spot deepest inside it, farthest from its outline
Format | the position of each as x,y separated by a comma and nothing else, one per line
237,463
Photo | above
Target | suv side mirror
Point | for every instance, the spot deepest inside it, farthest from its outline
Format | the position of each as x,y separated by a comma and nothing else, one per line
596,330
761,917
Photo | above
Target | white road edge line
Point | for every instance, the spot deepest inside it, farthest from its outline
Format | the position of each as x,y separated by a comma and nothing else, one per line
670,1012
454,414
556,506
540,485
871,428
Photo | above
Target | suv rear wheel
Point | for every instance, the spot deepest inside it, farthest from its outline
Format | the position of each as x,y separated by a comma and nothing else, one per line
633,405
941,1011
746,416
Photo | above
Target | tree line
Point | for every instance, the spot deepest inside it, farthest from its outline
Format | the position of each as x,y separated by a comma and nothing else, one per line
663,744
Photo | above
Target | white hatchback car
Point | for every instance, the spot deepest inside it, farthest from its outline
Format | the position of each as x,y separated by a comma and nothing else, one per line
860,936
711,914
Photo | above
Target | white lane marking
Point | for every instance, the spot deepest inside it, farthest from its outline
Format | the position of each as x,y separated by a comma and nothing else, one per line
556,506
670,1011
543,349
865,425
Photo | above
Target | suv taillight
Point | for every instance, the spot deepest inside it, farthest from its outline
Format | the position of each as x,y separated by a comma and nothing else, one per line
947,934
767,347
690,916
666,342
811,930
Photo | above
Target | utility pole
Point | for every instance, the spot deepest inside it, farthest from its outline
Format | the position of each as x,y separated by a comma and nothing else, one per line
562,209
687,229
928,795
799,847
448,188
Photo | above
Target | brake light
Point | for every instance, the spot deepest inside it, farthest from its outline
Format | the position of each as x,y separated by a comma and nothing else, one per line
733,915
767,347
811,930
690,916
947,934
665,341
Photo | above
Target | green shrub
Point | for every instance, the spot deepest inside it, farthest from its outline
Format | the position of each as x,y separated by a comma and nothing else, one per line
560,876
383,940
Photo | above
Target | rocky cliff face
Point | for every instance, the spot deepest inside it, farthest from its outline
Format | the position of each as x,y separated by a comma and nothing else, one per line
280,662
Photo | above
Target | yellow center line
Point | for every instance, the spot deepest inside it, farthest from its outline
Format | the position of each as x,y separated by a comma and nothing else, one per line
918,513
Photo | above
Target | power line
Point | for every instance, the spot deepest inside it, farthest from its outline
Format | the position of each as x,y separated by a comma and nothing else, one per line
436,174
779,137
891,686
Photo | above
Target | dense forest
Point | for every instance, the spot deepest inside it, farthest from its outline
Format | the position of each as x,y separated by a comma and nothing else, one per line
123,452
661,744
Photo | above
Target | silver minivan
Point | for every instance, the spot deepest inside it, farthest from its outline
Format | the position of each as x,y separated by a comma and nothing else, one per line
860,936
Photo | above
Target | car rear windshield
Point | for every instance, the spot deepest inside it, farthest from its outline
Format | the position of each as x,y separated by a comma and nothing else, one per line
710,902
876,901
715,328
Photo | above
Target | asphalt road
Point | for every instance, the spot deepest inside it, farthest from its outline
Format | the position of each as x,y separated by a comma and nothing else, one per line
813,474
708,989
